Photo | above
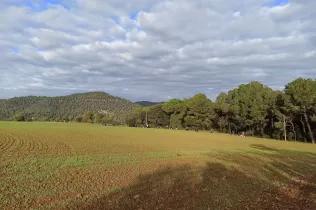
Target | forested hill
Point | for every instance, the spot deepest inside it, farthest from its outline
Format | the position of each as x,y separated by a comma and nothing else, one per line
50,108
147,103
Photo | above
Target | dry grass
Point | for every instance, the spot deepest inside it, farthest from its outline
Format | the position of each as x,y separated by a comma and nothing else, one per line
47,165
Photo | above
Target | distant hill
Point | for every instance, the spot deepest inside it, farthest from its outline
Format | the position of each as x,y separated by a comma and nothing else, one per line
147,103
66,106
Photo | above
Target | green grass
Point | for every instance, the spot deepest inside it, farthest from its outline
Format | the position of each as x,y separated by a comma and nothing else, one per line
56,165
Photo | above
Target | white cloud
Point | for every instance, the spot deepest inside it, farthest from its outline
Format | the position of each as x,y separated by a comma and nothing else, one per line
151,50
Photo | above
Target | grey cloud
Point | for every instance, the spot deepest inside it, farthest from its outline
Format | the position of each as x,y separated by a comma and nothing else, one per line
116,7
168,49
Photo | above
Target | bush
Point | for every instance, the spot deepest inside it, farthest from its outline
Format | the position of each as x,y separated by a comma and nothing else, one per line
19,117
78,119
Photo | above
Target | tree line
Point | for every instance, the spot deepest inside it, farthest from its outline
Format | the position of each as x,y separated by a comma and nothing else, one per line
87,117
252,108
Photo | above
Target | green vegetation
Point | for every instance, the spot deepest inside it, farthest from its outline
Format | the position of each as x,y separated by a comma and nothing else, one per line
253,108
65,108
85,166
147,103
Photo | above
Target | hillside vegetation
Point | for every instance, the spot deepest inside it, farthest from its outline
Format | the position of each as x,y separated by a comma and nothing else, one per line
147,103
58,108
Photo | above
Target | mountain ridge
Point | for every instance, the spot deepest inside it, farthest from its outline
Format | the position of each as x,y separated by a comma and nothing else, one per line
147,103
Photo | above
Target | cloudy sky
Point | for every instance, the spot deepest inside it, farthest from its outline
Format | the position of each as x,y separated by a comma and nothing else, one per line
153,49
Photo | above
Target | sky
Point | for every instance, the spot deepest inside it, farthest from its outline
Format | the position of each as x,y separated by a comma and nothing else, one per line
153,50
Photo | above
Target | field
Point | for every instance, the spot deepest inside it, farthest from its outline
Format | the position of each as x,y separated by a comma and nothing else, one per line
80,166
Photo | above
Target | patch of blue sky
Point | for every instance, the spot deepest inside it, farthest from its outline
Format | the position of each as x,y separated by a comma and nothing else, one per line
116,20
38,6
133,15
15,50
57,2
138,28
276,3
41,50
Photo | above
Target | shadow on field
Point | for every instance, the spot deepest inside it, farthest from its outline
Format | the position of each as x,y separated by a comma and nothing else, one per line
263,147
227,181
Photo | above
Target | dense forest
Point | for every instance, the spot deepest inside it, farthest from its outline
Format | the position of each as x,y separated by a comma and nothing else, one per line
147,103
252,108
77,107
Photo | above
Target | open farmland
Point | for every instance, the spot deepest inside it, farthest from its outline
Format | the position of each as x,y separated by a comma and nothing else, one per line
80,166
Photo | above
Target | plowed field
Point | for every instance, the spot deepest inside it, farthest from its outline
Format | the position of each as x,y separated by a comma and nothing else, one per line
80,166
